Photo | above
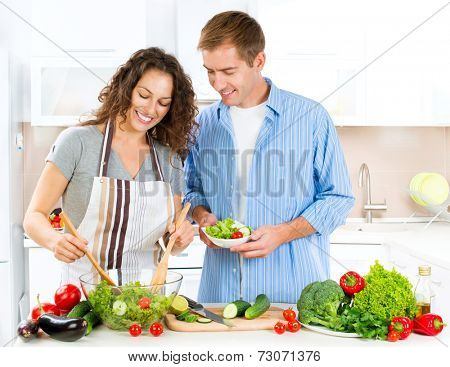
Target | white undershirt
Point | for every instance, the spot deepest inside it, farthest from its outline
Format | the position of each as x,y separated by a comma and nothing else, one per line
247,123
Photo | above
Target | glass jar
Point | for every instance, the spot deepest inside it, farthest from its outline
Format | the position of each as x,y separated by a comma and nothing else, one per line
423,292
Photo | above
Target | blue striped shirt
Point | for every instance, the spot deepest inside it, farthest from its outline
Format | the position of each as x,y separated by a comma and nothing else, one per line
298,169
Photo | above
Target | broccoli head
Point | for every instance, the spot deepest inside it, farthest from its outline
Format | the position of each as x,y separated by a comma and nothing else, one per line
319,303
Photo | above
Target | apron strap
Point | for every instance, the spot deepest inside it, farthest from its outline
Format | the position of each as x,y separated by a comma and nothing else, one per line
106,149
155,160
106,152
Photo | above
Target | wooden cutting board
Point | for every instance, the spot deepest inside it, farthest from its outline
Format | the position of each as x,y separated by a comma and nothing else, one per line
265,322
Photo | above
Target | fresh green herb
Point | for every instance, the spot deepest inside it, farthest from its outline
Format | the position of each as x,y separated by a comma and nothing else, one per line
387,294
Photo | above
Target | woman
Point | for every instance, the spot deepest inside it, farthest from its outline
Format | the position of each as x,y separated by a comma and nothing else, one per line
120,175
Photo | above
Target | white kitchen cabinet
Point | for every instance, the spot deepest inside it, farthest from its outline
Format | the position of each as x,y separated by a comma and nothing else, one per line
6,326
83,26
44,275
354,58
354,257
191,282
63,90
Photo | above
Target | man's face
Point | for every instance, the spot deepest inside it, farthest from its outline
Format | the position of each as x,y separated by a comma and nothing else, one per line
231,76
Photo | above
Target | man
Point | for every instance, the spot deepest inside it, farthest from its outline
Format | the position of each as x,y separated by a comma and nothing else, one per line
295,189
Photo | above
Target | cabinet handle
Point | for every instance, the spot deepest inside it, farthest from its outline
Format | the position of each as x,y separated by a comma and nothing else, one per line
183,254
438,284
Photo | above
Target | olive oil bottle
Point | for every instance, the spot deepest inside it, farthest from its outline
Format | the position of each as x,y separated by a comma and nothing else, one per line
423,291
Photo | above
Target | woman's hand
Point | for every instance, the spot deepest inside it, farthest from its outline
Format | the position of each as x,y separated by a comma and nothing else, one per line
184,235
68,248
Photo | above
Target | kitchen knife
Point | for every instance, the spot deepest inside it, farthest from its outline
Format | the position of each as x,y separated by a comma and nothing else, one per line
199,309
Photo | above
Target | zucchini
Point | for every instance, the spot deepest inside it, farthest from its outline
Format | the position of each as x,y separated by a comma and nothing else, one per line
92,320
204,320
80,309
261,305
235,309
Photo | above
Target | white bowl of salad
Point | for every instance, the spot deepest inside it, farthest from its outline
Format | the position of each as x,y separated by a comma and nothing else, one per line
228,233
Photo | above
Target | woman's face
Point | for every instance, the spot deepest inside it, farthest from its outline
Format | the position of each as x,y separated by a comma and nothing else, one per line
150,100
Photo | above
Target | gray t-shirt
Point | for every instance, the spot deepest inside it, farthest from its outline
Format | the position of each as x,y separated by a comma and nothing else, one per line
77,153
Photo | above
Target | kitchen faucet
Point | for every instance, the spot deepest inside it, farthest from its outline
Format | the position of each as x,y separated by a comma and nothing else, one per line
364,177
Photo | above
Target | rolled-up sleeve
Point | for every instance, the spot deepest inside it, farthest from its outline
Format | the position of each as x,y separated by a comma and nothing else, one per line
194,189
333,198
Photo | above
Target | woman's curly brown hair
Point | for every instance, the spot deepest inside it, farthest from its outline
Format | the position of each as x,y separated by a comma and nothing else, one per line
178,127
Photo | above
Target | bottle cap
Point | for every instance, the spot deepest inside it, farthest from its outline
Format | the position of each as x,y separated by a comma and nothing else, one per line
424,270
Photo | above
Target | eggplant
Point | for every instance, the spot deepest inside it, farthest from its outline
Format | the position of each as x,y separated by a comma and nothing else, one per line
65,329
27,330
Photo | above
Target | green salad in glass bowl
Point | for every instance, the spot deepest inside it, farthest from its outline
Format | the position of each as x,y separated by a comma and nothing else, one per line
133,300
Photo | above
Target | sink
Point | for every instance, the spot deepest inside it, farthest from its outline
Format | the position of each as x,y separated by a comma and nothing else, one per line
375,227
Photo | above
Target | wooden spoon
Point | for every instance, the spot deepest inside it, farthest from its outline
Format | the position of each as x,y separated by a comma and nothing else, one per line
160,274
91,258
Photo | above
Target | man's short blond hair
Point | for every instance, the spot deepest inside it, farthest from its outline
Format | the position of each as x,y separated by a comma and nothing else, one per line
236,28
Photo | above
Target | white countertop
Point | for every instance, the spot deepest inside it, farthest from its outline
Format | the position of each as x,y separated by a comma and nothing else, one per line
264,339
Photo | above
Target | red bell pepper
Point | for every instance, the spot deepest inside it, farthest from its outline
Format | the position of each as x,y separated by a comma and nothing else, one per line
428,324
351,283
403,325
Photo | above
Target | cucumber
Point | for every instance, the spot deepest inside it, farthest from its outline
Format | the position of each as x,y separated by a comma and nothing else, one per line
261,305
191,318
235,309
204,320
246,231
80,309
92,320
183,315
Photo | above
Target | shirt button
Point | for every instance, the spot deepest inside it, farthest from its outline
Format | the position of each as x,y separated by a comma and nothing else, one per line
234,270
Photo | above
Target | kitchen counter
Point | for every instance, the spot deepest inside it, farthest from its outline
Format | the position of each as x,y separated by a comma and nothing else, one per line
263,339
431,242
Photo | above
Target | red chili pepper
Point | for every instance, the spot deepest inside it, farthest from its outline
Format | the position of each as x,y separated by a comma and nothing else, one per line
428,324
351,283
402,325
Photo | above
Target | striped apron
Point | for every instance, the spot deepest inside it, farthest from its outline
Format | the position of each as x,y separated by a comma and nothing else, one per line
124,219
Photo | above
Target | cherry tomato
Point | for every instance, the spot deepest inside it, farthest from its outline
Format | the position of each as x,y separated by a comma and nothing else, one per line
46,308
237,234
144,302
67,296
279,327
156,329
293,326
135,330
289,314
393,336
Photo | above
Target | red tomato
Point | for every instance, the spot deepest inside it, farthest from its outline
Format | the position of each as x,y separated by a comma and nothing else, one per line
289,314
156,329
135,330
393,336
46,308
237,234
67,296
144,302
293,326
279,327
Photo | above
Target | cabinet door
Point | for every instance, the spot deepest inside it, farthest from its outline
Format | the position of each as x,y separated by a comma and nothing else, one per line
6,327
355,257
44,275
88,26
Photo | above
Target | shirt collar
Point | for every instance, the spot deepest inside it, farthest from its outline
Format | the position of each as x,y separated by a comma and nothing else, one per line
273,102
